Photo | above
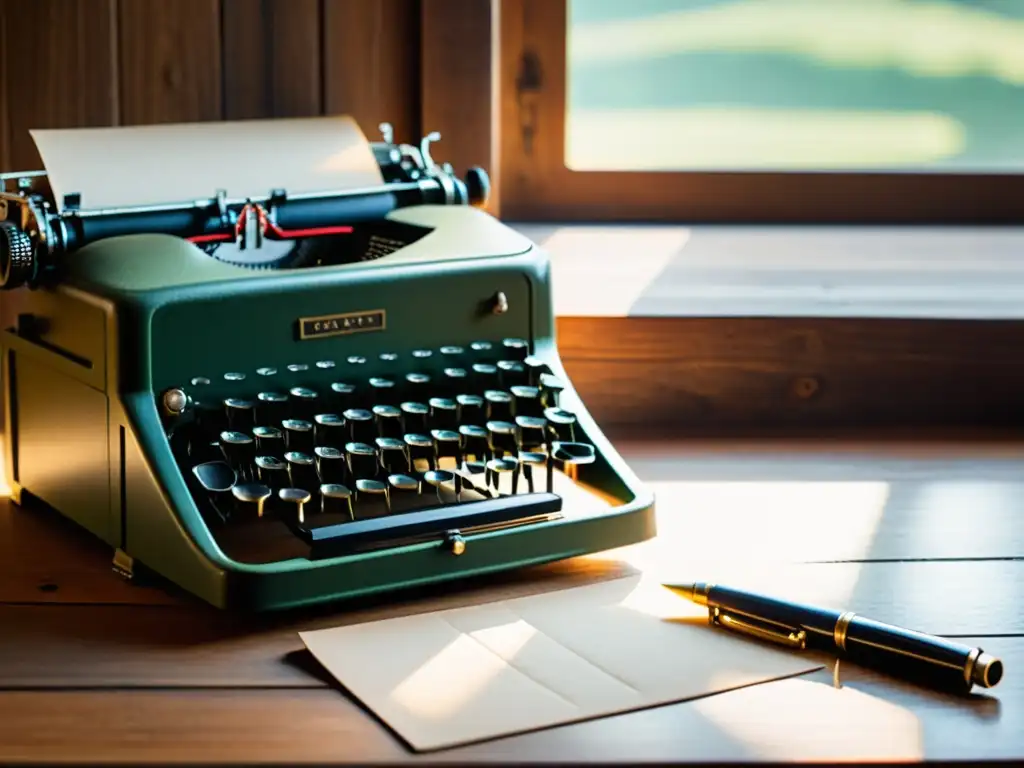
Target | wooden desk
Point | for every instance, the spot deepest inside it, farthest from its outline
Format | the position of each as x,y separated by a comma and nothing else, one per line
930,536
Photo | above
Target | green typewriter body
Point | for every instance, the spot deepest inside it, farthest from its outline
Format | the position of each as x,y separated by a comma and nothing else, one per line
384,408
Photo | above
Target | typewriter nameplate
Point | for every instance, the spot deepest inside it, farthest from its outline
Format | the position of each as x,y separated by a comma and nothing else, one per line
339,325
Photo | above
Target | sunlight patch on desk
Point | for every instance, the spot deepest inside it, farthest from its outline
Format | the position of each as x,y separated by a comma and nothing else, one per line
695,138
5,489
807,720
603,270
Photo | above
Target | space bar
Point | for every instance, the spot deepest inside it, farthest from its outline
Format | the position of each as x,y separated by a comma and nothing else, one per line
362,535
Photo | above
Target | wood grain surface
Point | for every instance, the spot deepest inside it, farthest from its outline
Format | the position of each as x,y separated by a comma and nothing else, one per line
926,535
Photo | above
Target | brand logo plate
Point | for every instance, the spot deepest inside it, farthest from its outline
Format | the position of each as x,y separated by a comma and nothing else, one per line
340,325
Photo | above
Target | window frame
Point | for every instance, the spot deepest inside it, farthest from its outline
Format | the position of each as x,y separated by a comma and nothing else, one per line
535,185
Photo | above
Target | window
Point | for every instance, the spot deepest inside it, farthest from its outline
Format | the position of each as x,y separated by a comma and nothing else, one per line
763,110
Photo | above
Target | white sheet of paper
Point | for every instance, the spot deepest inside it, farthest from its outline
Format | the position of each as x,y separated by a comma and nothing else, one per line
182,162
469,674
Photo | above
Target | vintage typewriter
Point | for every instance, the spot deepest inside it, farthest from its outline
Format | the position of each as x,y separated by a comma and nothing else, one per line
289,399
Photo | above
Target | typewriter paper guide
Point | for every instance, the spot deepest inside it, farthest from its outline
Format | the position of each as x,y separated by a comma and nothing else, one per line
179,163
470,674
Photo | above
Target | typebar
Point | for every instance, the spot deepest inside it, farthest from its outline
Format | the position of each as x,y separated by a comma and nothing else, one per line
364,535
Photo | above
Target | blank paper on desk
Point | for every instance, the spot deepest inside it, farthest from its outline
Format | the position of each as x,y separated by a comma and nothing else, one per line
469,674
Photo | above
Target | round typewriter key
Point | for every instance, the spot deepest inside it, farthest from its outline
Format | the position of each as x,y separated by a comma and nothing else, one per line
200,381
403,487
362,460
439,479
511,373
444,413
417,379
562,423
484,376
234,376
455,381
272,472
501,438
301,470
550,388
239,450
471,409
343,396
393,455
526,401
361,428
329,429
271,408
336,499
298,435
499,405
389,421
293,504
266,371
482,349
355,360
452,352
330,464
572,455
249,500
216,477
303,402
239,414
527,461
422,354
269,441
530,432
515,349
374,489
474,443
298,367
415,417
324,364
379,387
420,448
496,468
388,360
534,368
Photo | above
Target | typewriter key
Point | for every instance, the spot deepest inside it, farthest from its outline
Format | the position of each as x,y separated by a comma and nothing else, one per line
298,435
452,355
422,354
530,432
298,368
511,373
415,417
239,450
527,461
249,500
562,424
362,460
403,488
499,405
444,413
501,438
550,388
266,371
271,408
239,414
389,421
343,396
361,428
216,478
471,409
482,350
485,376
417,383
474,443
420,449
301,470
393,455
496,468
454,381
572,455
329,429
535,367
234,376
439,479
324,365
293,504
330,464
526,401
269,441
373,489
336,499
304,403
448,445
272,472
515,349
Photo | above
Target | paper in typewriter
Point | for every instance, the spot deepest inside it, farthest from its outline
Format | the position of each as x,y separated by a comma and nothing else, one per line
179,163
471,674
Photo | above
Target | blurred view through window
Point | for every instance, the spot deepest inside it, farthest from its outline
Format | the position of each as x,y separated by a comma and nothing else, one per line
881,85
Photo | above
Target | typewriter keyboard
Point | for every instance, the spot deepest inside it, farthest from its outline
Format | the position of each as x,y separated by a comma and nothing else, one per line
321,459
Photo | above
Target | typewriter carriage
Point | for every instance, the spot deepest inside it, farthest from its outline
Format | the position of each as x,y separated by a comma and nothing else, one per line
102,341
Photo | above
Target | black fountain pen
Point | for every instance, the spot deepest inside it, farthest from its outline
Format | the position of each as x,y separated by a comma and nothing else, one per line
925,659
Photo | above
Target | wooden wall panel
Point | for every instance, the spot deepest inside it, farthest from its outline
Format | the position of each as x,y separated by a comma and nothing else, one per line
170,61
457,84
272,58
371,64
4,124
58,60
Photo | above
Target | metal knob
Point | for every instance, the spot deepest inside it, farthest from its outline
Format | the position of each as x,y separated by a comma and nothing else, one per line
17,262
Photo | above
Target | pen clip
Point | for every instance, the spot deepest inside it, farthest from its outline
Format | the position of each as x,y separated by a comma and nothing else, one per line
790,637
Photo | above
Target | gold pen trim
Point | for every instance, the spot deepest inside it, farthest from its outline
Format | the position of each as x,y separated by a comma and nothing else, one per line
841,628
788,636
